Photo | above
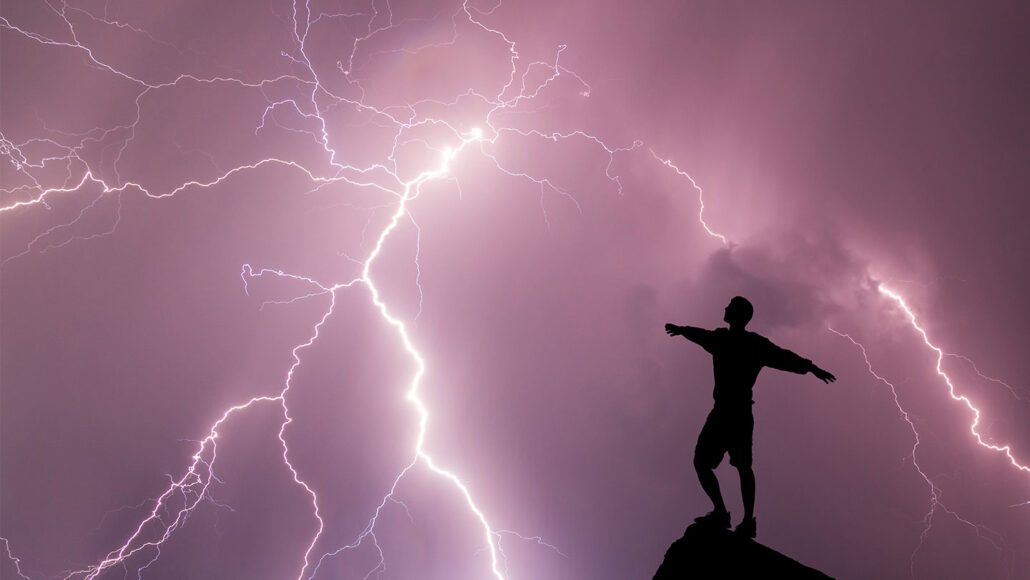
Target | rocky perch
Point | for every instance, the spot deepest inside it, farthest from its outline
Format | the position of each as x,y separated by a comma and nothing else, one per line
707,552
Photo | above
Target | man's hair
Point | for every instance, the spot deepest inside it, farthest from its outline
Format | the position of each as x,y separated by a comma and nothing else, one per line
743,307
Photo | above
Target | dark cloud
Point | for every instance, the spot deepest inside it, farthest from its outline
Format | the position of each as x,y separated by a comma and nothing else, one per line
793,280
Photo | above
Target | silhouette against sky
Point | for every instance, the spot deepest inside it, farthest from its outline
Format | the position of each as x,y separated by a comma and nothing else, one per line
737,357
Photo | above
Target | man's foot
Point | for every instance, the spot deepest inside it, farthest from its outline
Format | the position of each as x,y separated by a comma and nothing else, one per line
715,518
747,528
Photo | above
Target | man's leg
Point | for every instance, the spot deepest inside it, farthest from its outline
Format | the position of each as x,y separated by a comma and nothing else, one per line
709,483
707,456
740,457
747,490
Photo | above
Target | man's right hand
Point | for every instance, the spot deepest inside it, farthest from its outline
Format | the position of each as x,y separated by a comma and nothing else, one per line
672,329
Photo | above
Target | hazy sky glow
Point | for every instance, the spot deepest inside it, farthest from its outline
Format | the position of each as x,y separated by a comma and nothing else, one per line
263,224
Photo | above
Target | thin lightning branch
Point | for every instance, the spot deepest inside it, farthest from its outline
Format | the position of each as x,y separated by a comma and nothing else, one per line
700,197
15,560
535,539
1012,390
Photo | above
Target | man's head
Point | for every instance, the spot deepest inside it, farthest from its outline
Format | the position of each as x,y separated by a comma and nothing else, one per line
739,312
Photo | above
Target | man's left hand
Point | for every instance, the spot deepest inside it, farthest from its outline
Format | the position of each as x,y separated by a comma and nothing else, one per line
823,375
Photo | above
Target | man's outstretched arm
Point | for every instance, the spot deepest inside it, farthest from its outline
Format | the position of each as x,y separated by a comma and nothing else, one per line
785,360
701,336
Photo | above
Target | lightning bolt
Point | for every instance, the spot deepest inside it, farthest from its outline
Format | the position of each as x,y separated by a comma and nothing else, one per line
1006,450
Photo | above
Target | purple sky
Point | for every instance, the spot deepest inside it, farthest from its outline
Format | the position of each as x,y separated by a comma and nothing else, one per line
843,151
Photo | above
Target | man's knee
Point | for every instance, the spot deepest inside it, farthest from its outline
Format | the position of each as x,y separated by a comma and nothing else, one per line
705,463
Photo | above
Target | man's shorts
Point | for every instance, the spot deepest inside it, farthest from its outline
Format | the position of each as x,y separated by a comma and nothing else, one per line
725,431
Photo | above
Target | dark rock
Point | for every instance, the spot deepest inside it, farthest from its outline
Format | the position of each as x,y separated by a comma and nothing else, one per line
707,552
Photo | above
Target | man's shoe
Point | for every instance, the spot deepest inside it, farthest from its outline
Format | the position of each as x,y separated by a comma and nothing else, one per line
747,528
715,519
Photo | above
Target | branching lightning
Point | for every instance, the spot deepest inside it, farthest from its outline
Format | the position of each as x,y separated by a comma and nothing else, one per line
935,492
983,532
173,507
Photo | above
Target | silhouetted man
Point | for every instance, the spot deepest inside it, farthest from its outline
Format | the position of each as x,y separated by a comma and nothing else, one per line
737,357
